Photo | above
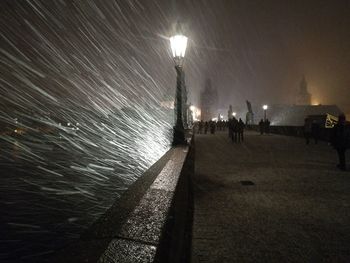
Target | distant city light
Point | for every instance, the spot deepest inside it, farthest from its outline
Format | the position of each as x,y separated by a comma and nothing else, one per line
196,112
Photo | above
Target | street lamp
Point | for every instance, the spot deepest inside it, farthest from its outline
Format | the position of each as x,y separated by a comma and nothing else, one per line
265,107
178,45
234,114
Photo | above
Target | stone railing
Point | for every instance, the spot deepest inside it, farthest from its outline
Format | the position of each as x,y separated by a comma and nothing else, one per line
151,222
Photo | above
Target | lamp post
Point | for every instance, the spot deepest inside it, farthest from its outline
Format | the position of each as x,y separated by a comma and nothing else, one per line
178,45
265,107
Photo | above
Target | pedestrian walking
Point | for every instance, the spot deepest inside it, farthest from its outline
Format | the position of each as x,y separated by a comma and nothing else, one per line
206,127
234,129
261,126
212,127
340,140
240,130
230,128
200,127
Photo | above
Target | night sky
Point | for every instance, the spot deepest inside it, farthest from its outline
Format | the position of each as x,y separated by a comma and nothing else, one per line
258,50
255,50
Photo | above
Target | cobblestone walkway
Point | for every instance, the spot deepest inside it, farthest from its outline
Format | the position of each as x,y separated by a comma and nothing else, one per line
298,209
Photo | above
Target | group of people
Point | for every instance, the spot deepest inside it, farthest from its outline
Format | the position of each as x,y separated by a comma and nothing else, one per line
339,136
236,129
264,126
212,126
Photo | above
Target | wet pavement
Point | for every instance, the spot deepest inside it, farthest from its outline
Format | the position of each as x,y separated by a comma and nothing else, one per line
269,199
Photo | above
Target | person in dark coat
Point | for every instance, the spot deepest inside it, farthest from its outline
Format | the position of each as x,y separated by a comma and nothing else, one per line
240,130
212,127
200,127
230,128
234,129
340,140
261,126
206,127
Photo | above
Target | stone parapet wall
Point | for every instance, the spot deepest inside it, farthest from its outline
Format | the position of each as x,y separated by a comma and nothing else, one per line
151,222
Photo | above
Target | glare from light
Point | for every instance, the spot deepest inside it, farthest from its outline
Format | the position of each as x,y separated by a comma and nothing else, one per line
234,114
265,107
196,113
178,46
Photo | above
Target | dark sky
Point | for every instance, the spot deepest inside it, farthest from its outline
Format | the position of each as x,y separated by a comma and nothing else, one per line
264,47
255,50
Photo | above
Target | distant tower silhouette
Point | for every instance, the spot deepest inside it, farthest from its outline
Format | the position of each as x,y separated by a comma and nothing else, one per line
303,96
229,112
209,100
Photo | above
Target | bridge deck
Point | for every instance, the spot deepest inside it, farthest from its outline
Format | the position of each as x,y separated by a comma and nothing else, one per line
298,209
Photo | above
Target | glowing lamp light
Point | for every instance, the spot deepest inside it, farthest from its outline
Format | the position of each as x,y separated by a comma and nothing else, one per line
234,114
192,108
265,108
178,45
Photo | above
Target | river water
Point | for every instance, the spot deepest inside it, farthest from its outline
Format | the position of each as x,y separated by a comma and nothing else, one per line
56,182
85,109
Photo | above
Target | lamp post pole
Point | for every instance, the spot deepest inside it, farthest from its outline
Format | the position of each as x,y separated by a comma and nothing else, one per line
178,44
179,130
265,109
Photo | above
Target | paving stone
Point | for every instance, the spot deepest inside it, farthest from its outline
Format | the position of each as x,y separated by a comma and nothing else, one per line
297,211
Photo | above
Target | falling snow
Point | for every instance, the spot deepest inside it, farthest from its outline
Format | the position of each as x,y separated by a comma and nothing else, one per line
81,117
83,84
